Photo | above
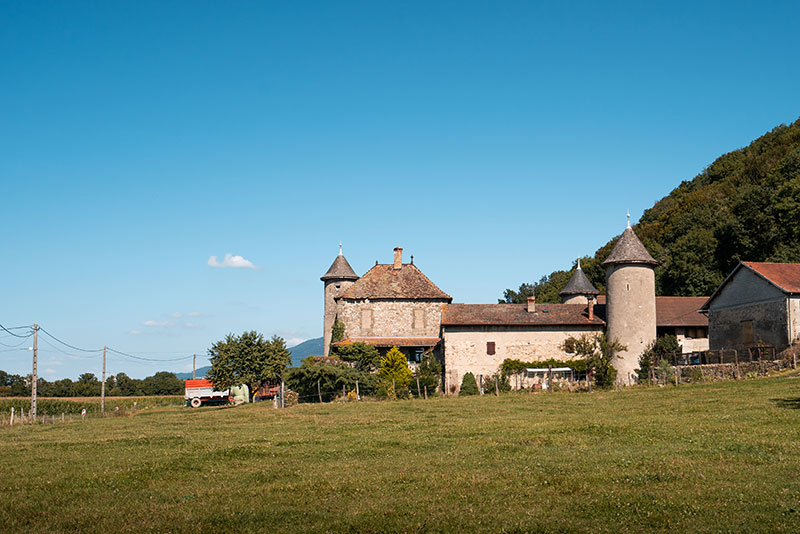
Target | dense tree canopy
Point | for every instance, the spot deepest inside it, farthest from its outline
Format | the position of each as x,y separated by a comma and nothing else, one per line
247,359
743,207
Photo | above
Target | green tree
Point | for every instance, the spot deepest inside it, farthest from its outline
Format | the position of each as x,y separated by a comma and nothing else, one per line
247,359
87,386
314,378
599,352
429,372
127,386
394,367
654,352
365,357
163,383
337,331
469,386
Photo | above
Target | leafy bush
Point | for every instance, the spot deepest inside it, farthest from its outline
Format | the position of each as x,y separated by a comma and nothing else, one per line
468,385
429,372
666,344
313,377
364,357
665,372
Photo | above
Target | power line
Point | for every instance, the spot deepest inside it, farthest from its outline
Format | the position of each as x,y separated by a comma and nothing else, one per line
148,359
67,344
64,352
18,344
9,330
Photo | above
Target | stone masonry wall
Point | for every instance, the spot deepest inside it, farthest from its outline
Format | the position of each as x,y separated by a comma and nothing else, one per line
391,318
769,324
465,348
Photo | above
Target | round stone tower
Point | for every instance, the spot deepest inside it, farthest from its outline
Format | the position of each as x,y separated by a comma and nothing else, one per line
339,277
630,302
579,289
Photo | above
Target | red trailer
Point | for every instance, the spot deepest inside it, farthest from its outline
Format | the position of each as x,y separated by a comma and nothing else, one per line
201,391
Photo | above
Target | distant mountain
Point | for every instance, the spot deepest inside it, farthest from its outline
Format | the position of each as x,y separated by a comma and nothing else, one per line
199,373
310,347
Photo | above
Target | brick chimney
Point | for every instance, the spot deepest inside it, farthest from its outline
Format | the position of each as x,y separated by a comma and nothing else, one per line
591,308
532,304
398,258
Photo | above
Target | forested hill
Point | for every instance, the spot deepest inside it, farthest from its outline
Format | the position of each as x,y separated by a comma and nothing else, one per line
744,206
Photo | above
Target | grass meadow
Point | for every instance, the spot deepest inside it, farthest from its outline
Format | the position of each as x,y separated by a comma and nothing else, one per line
712,457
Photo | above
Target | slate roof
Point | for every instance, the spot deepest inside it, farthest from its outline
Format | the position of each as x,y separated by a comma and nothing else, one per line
629,250
385,282
340,270
517,315
392,341
784,276
579,284
670,311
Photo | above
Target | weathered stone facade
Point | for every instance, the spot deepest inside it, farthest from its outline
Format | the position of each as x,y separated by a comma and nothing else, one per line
630,314
390,317
466,348
749,310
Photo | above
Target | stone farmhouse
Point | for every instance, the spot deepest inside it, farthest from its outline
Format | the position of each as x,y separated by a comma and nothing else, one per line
397,305
758,304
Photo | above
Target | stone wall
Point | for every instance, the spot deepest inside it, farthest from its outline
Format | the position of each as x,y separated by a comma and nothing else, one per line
465,348
391,318
729,371
768,324
794,319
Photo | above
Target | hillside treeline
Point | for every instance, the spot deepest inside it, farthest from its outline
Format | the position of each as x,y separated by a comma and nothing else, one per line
745,206
88,385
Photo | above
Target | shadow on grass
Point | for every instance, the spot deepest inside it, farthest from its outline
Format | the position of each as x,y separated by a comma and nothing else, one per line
789,404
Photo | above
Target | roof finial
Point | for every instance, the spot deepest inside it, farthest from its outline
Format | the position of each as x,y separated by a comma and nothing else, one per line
629,218
579,264
340,248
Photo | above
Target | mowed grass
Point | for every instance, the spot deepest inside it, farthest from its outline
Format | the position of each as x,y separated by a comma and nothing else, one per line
719,457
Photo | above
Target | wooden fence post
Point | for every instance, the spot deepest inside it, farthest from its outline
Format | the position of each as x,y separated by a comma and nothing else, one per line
358,393
12,415
62,417
426,392
319,392
394,391
419,393
496,387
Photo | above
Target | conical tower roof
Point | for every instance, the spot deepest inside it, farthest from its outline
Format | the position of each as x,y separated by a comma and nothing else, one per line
340,269
579,284
629,250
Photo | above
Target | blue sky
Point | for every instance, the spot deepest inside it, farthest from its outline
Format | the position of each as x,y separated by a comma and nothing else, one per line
494,141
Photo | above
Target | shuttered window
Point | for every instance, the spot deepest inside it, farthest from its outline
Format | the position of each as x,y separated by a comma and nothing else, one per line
490,347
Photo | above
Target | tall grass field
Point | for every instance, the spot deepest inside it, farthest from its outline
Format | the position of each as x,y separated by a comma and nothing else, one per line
711,457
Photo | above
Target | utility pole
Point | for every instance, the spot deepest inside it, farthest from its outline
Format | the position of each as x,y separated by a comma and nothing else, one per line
103,384
34,378
194,364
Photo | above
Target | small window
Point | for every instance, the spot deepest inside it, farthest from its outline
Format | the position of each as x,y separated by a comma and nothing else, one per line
490,347
627,287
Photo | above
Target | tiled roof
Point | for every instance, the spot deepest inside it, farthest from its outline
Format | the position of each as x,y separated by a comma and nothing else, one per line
340,269
517,314
670,311
629,250
680,311
579,284
786,276
392,341
386,282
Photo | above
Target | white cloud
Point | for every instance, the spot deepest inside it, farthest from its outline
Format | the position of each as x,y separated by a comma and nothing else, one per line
188,324
135,332
197,314
235,262
157,323
176,315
